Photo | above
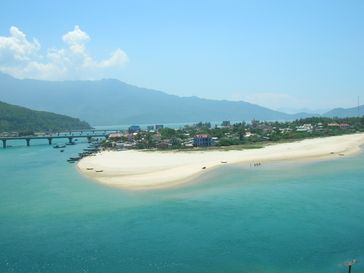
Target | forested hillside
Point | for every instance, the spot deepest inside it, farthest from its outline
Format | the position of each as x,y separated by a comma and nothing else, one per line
18,119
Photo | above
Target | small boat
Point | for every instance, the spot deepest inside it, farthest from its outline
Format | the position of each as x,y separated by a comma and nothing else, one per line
223,161
61,151
99,171
203,167
90,149
59,146
89,169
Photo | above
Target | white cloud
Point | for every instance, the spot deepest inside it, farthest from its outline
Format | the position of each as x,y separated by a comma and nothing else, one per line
77,36
23,58
16,47
118,56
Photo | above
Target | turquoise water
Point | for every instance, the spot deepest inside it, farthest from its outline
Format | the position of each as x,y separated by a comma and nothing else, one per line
276,218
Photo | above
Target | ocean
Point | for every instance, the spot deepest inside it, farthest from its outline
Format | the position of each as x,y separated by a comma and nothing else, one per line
282,217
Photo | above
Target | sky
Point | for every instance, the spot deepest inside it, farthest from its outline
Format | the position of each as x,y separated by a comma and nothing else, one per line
286,55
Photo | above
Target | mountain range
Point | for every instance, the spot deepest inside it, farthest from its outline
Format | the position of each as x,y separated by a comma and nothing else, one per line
111,102
346,112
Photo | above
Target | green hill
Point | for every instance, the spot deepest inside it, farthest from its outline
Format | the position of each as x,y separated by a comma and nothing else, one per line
19,119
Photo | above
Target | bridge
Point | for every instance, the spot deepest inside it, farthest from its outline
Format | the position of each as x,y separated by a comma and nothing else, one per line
66,135
81,131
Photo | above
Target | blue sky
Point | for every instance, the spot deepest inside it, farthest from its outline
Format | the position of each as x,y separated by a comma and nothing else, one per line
287,55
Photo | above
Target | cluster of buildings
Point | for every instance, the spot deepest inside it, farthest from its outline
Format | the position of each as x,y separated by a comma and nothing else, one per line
135,137
9,134
339,125
28,133
204,135
150,128
308,127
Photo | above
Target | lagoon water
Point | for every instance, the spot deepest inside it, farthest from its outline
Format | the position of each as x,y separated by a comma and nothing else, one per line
276,218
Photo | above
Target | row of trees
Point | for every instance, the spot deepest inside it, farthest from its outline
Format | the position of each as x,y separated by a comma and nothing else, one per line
245,133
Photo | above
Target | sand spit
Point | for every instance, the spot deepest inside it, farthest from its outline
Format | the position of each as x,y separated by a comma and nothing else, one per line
135,169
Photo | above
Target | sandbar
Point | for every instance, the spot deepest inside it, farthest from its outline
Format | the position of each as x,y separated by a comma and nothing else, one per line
138,169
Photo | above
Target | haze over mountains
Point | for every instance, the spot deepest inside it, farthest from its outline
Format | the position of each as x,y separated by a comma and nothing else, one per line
346,112
110,102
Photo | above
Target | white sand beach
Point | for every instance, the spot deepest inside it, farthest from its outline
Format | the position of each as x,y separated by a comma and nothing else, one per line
135,169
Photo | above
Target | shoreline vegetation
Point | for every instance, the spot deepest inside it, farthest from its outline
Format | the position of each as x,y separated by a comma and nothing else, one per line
241,135
143,170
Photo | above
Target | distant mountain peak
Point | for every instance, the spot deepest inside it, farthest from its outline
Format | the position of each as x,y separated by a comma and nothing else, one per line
110,101
346,112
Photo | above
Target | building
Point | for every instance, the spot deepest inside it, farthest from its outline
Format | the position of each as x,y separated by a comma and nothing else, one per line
115,136
159,126
304,128
344,125
264,127
333,125
285,130
202,140
164,145
156,138
226,123
215,140
134,129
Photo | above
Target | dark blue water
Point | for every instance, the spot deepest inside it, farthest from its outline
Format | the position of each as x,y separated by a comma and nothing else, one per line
276,218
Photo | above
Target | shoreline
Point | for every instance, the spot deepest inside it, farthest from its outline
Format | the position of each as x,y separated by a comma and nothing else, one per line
142,170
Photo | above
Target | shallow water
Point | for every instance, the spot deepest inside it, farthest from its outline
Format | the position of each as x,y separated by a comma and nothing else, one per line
276,218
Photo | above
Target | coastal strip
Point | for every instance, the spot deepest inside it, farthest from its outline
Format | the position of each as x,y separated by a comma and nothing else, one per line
137,169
